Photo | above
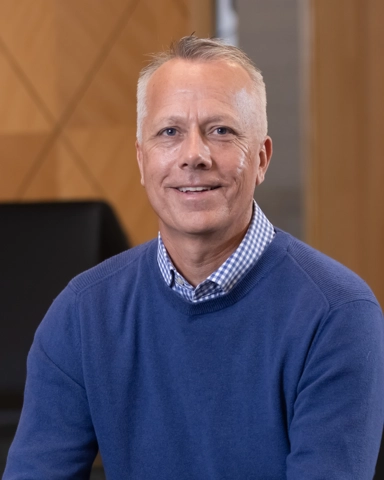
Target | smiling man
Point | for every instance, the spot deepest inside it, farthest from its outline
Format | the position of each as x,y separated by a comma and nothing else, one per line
202,149
225,348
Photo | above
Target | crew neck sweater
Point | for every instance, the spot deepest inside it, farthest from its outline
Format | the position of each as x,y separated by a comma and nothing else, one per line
282,378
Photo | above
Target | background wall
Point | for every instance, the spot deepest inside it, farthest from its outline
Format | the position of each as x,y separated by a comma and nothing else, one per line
68,73
345,193
324,70
270,34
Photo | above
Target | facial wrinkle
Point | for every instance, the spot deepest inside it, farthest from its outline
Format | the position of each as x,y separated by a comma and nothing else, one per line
245,103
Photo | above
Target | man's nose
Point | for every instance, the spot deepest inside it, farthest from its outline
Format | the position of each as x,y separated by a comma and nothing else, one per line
195,151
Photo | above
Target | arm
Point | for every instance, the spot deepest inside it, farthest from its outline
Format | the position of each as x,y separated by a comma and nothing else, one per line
55,439
338,417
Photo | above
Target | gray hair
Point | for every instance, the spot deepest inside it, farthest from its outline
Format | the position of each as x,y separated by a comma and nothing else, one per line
203,49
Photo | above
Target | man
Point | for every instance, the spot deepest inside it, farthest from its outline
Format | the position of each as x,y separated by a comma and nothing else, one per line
225,349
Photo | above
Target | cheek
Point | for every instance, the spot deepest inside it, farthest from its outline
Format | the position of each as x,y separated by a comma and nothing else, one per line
243,163
244,172
157,171
162,158
244,158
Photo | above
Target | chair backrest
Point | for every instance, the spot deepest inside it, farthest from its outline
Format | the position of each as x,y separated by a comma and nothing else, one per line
43,246
379,475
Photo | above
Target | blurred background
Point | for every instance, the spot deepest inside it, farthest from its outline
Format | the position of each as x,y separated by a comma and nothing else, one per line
68,73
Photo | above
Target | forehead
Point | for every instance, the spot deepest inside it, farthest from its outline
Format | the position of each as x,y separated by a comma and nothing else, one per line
178,80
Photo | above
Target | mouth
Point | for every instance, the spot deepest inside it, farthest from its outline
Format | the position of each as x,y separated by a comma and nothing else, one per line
195,189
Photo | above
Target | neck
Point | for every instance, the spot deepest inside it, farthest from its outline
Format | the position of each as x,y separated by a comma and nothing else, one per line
196,257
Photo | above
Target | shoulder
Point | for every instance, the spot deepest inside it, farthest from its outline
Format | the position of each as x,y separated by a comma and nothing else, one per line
126,265
98,289
325,276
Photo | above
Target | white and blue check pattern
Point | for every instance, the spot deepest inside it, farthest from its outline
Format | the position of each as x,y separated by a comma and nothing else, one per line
259,235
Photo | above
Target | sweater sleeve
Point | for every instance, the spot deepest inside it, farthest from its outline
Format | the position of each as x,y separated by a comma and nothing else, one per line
55,439
338,416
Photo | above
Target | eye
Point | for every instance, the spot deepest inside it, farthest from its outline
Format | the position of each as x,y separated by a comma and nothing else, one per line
223,130
169,132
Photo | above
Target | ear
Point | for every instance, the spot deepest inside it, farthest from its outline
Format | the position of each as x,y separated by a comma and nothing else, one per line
139,157
265,154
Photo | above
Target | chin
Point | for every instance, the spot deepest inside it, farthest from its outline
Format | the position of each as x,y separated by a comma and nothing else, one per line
199,228
195,224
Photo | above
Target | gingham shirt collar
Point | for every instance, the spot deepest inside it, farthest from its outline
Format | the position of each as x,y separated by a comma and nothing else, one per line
259,235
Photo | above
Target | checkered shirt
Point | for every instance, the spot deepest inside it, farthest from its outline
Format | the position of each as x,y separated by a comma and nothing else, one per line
259,235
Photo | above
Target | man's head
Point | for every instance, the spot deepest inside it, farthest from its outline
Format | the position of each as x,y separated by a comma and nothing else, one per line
196,49
202,145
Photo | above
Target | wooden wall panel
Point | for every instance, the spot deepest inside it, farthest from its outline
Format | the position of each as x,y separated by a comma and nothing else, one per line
27,34
345,197
68,73
60,176
374,145
18,111
17,156
201,17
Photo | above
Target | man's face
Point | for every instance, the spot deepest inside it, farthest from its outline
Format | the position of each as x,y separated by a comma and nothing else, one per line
200,155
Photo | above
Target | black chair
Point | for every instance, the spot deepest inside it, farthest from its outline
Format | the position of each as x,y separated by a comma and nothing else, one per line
42,246
379,475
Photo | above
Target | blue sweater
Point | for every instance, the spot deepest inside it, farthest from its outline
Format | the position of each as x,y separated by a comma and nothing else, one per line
282,378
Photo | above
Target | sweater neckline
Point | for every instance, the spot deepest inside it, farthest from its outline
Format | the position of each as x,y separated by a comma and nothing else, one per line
271,257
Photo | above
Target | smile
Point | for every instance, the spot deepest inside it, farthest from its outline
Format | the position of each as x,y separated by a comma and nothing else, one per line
195,189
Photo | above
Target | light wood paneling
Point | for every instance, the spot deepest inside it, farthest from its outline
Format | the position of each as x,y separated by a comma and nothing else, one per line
28,32
345,196
110,96
18,111
84,31
201,17
176,15
68,73
374,146
17,156
60,176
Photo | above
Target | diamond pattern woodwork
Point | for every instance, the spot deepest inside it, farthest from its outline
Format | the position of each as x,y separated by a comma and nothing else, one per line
68,73
18,153
28,32
18,110
60,176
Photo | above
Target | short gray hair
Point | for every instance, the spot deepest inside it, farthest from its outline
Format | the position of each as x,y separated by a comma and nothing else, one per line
203,49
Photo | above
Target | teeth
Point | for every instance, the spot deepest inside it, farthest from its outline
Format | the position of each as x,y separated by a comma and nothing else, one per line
194,189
